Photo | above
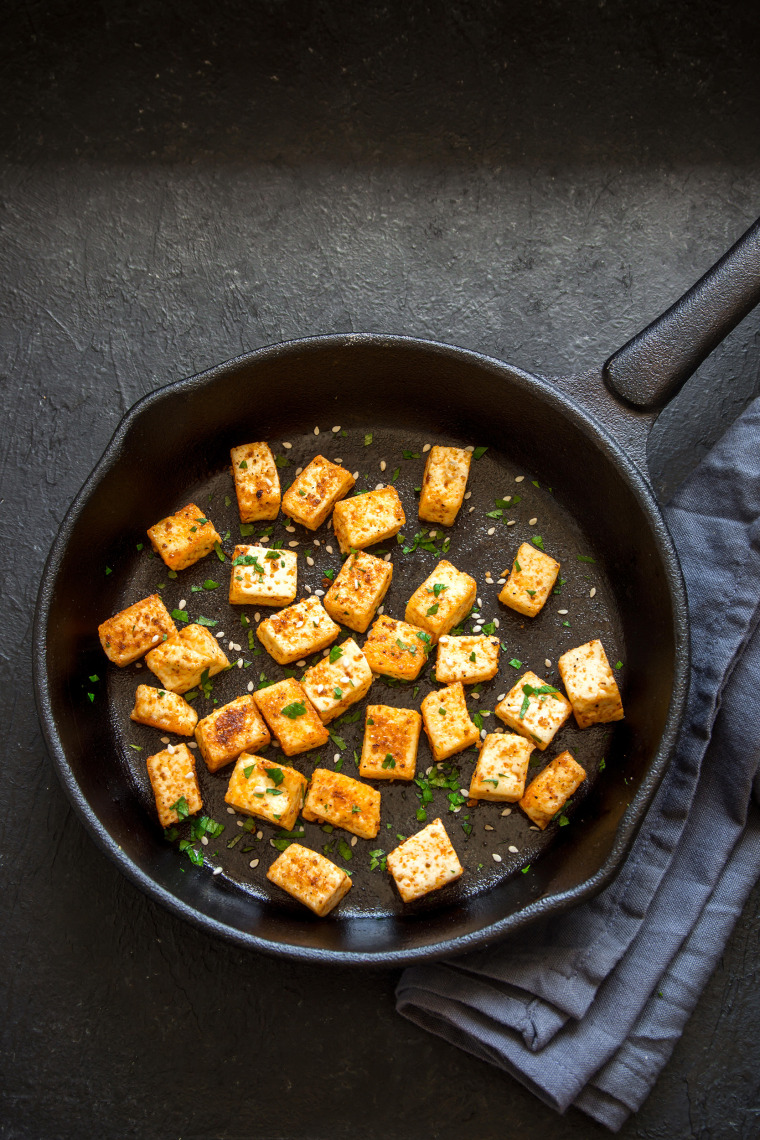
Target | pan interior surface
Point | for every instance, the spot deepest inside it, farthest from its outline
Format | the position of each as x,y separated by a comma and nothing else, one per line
174,448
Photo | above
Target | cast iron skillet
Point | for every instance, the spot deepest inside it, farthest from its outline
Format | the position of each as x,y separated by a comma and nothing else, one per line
582,437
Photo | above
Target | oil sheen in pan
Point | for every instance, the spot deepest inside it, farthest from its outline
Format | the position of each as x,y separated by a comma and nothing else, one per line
570,617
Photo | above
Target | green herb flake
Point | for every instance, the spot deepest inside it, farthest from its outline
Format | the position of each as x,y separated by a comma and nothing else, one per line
243,464
335,653
282,461
526,869
181,807
473,656
538,541
180,615
438,588
171,574
368,439
563,821
409,455
602,764
140,545
389,762
432,610
618,665
220,553
338,741
395,475
344,850
337,693
294,710
479,452
515,663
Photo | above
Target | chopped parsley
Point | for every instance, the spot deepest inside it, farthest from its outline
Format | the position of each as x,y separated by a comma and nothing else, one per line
282,461
181,807
585,558
515,663
538,541
368,439
479,452
294,710
432,610
389,762
180,615
335,653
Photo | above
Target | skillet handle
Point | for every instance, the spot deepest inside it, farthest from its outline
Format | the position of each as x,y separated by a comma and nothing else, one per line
651,368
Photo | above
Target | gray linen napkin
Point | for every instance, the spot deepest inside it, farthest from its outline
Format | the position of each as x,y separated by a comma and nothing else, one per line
586,1008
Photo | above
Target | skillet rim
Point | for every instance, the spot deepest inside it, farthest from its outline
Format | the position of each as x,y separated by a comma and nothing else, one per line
456,944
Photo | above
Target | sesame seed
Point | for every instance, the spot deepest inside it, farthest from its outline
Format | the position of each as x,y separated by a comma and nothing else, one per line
316,431
353,841
470,447
383,465
299,470
456,810
192,745
433,533
287,445
501,581
512,522
470,510
497,622
336,757
250,686
592,592
290,529
519,478
336,429
480,602
487,827
204,840
513,850
253,863
485,713
496,857
491,530
477,628
533,829
230,811
239,822
265,539
170,749
475,696
428,770
379,486
337,460
500,697
182,604
220,635
426,447
489,579
217,871
154,639
381,609
294,542
257,617
318,593
316,542
164,739
467,494
307,588
561,611
386,558
309,560
237,647
507,811
300,664
483,734
138,665
231,645
548,663
532,522
329,549
356,474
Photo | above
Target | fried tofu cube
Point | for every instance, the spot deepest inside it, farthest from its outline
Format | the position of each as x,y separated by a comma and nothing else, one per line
158,708
467,659
590,685
548,793
425,862
369,518
297,631
502,768
447,722
133,631
310,878
396,649
534,709
173,778
343,802
184,538
291,716
181,660
338,681
391,737
358,590
442,601
226,732
263,577
314,493
530,580
257,484
266,790
444,484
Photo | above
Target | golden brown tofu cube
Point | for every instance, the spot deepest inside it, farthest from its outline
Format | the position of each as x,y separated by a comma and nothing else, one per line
184,538
338,680
175,784
358,590
391,737
263,577
469,659
396,649
133,631
530,580
158,708
291,716
425,862
343,802
226,732
297,631
444,484
310,878
257,484
181,660
502,768
447,722
442,601
369,518
314,493
548,793
535,709
266,790
590,685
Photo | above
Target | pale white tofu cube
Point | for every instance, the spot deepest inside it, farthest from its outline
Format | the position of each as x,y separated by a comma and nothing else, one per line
227,731
469,659
425,862
391,737
548,793
291,716
535,709
184,538
444,484
263,577
266,790
442,601
343,802
338,680
310,878
297,631
257,484
396,649
358,590
366,519
314,492
502,768
531,580
181,660
590,685
175,784
133,631
447,722
158,708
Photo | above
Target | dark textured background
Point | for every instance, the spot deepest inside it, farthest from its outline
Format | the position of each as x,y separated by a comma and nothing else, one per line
182,182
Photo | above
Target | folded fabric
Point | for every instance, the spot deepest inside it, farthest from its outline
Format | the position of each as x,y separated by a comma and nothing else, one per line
586,1007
